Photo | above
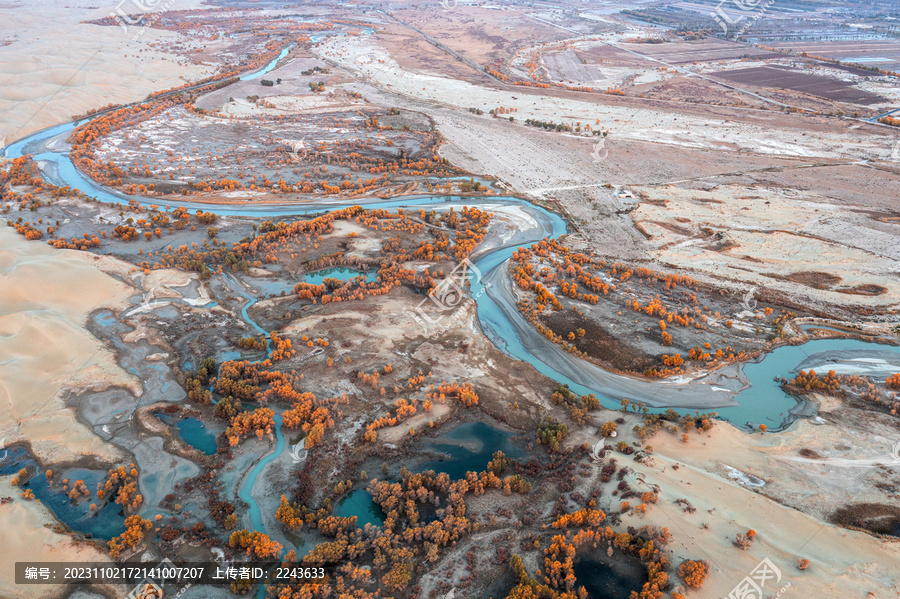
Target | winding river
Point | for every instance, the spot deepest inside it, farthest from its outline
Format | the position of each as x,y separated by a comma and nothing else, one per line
745,394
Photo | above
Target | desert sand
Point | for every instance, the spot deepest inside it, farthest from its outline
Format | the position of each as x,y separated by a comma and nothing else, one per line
787,231
28,528
45,297
55,66
844,563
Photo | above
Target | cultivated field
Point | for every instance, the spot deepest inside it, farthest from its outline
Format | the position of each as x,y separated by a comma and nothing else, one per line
884,54
705,50
782,78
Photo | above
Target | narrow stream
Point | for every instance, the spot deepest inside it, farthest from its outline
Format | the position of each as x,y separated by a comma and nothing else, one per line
269,67
246,490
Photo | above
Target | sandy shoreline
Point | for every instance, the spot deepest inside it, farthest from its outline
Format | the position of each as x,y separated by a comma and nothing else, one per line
714,391
33,535
846,564
42,331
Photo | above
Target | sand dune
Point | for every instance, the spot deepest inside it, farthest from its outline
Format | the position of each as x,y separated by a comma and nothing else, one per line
46,349
845,564
30,524
57,66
